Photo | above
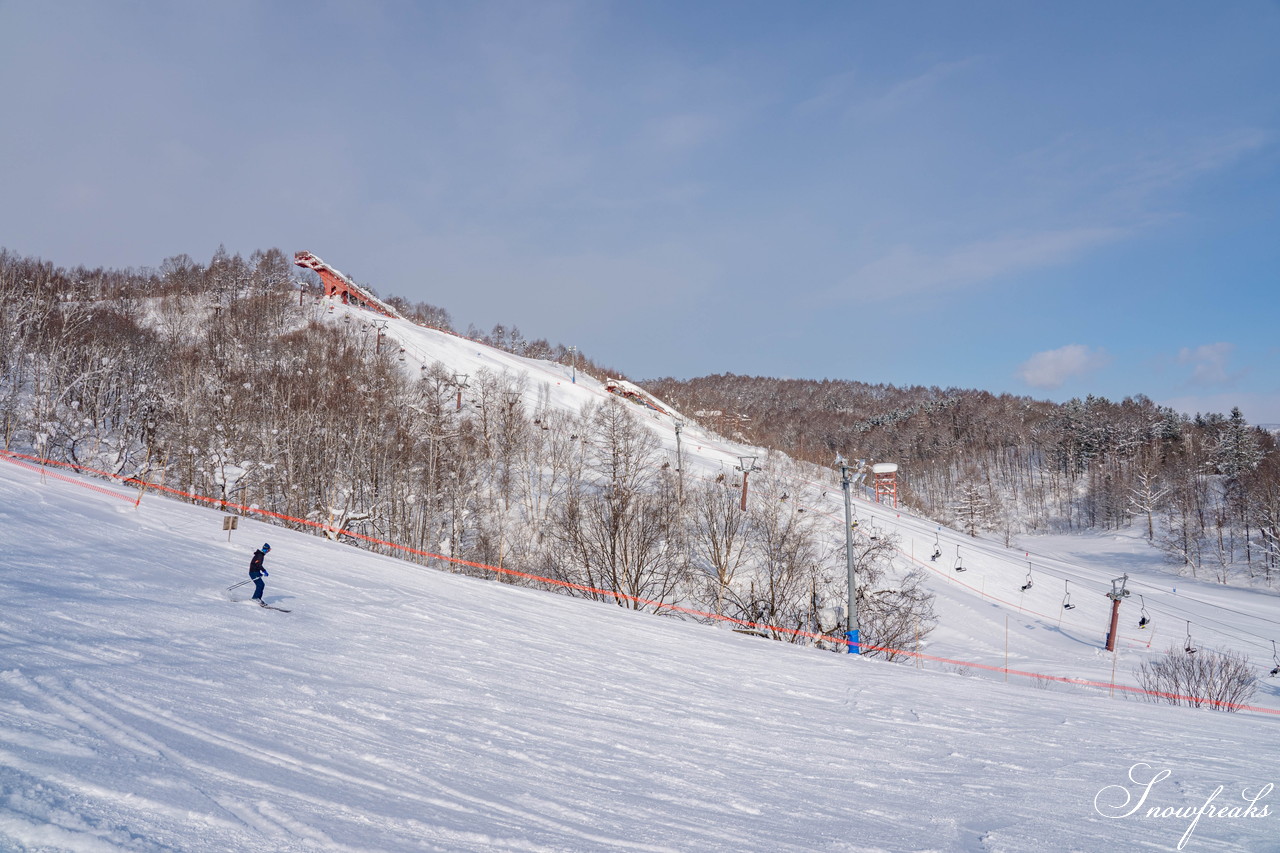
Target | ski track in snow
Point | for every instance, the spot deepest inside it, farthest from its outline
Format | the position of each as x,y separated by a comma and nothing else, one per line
400,708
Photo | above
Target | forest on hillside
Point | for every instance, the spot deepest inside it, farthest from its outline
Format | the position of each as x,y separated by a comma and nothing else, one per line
225,379
232,380
1205,489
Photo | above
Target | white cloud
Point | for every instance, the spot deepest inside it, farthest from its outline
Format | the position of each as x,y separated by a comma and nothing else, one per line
1209,363
1051,368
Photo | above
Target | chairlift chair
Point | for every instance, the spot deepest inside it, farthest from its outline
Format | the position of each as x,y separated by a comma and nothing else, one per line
1190,647
959,564
1030,582
1276,658
1144,620
1066,601
937,548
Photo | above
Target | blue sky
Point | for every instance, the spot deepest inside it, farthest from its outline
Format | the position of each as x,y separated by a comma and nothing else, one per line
1032,198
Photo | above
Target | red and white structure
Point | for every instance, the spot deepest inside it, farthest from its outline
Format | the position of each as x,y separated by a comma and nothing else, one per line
885,480
338,286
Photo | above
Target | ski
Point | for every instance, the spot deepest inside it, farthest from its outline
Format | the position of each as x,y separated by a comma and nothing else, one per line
267,606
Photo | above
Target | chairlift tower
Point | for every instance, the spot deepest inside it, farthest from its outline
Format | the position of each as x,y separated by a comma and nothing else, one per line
885,476
460,380
748,464
679,425
852,628
380,327
1117,594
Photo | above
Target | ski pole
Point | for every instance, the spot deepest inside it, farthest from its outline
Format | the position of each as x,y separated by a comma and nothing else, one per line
242,583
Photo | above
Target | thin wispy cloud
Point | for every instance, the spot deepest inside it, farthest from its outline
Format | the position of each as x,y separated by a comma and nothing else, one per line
908,271
1184,163
682,131
909,92
1107,173
1115,196
1208,364
1050,369
853,94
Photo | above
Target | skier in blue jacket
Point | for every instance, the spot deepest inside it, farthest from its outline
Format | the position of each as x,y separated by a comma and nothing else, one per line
257,571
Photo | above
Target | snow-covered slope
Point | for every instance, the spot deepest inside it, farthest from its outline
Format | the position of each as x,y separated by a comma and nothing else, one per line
402,708
398,708
986,616
547,385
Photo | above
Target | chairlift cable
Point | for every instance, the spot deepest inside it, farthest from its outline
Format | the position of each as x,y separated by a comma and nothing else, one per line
1218,607
1230,631
1244,637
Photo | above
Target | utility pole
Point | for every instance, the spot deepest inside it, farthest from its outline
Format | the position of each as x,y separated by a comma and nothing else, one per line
748,464
855,647
1117,593
573,365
